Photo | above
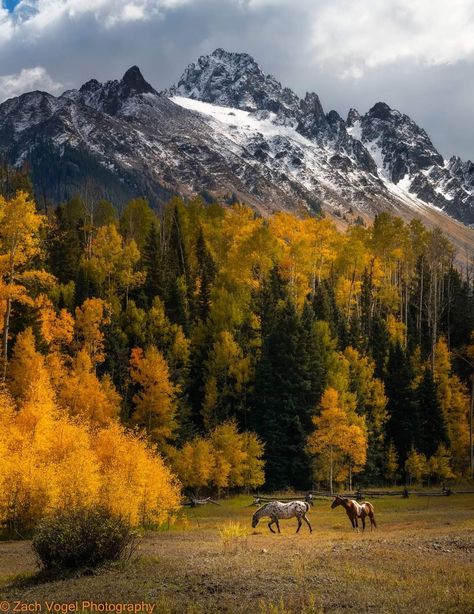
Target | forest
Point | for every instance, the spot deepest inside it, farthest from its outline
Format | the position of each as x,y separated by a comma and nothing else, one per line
210,349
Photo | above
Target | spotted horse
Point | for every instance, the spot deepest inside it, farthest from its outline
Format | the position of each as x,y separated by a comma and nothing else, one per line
275,510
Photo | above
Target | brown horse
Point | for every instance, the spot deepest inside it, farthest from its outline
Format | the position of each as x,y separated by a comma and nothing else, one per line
355,511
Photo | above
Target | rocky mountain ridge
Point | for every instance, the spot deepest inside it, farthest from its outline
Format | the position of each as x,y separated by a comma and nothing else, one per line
227,130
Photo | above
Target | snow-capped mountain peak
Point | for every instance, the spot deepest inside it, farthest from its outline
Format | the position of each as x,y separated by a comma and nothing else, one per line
228,129
234,80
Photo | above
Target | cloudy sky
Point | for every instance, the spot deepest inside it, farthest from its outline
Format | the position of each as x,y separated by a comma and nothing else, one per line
416,55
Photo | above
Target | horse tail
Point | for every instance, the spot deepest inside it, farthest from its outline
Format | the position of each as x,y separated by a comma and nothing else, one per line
308,507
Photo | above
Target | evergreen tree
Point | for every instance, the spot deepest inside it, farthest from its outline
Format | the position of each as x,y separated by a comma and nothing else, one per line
312,361
280,415
177,270
379,345
401,404
206,272
153,265
65,248
429,426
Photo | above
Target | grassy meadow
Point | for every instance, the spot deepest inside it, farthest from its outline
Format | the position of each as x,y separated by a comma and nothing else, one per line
420,559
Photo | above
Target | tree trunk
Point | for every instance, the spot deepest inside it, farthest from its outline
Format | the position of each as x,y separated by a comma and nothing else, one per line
330,469
434,332
471,450
6,327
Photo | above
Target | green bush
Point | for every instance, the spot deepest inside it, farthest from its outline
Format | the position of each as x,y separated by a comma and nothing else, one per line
81,538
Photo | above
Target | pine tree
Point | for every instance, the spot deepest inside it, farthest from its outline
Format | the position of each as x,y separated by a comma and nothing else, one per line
401,405
206,273
64,247
429,425
379,342
279,413
152,258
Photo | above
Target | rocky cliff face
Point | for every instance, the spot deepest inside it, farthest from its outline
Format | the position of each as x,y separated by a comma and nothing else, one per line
229,130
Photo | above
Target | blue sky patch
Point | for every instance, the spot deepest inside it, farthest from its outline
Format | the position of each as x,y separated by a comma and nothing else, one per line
10,4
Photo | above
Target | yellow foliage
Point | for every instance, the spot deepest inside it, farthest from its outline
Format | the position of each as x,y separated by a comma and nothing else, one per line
195,463
135,481
82,393
27,367
339,439
225,459
90,319
155,408
49,462
19,231
416,466
455,401
57,329
113,261
396,330
440,464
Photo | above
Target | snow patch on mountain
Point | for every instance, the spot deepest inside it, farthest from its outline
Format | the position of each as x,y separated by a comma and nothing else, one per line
227,128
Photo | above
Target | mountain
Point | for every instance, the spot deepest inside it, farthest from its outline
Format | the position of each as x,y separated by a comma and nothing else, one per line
227,130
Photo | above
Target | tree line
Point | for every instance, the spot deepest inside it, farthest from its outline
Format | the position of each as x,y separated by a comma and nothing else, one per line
245,351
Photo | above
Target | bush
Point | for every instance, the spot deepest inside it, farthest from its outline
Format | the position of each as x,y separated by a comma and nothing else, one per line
81,538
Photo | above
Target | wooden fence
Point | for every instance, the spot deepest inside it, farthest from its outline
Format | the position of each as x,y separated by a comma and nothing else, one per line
362,494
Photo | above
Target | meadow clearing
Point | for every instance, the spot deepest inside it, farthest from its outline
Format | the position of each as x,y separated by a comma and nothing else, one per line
419,560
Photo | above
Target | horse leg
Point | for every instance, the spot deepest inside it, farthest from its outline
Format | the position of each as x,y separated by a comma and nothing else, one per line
372,521
308,523
299,523
270,526
278,525
356,524
363,524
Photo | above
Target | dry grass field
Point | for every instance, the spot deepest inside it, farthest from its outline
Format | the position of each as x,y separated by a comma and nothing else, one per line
420,560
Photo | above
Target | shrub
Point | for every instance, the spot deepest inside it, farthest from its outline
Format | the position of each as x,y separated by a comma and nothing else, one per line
232,530
81,538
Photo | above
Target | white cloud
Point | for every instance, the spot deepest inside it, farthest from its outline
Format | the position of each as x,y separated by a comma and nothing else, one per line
354,36
26,80
417,55
358,35
348,36
34,16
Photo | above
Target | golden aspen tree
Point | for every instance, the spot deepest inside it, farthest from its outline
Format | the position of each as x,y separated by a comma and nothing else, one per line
416,466
391,463
57,329
194,463
83,395
167,336
91,317
20,227
26,365
113,263
136,220
230,455
154,403
135,482
352,259
228,372
51,463
440,464
341,444
455,400
253,471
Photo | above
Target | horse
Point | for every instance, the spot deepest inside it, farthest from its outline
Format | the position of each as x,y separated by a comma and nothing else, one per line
355,511
275,510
